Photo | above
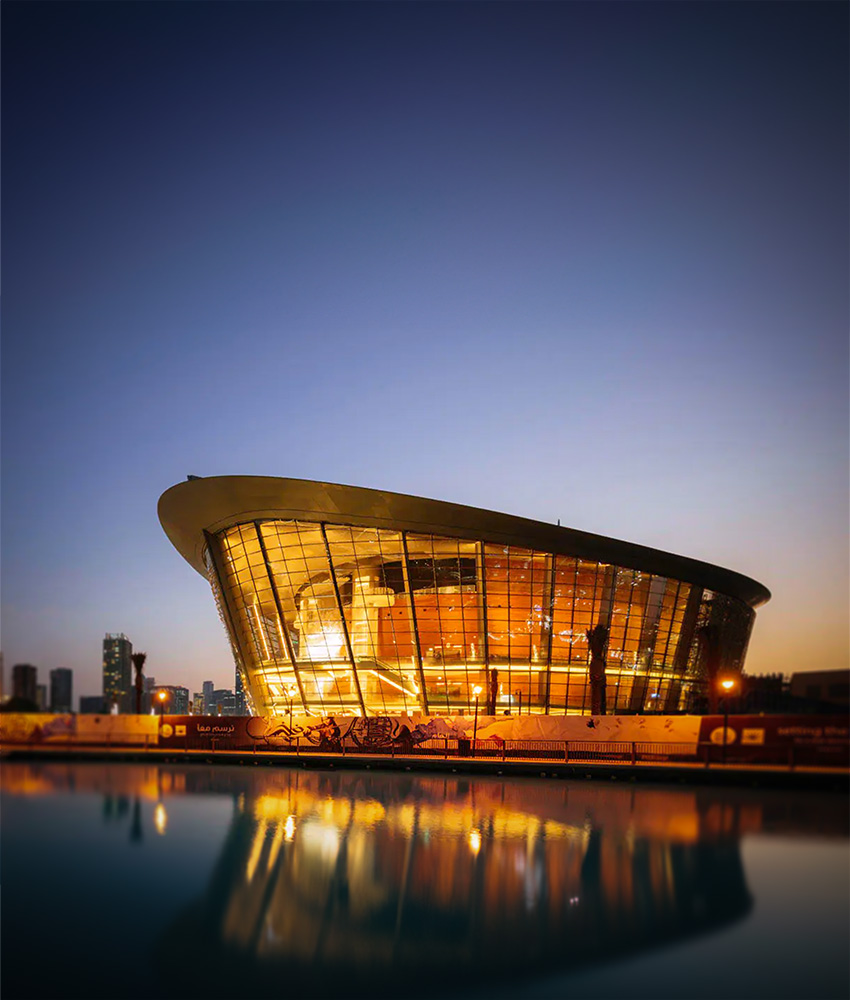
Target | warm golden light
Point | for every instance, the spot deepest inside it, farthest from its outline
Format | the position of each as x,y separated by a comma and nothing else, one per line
475,841
325,644
384,618
160,818
256,850
289,828
727,684
392,683
262,631
161,696
274,850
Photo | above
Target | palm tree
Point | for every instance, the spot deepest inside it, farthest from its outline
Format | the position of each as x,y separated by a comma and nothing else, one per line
138,662
597,640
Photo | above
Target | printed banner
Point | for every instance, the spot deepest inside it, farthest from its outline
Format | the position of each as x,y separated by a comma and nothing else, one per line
777,739
679,734
34,728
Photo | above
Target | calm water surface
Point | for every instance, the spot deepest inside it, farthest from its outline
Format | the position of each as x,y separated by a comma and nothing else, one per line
170,881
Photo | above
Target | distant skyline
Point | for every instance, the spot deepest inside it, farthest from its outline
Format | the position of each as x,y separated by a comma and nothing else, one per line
571,261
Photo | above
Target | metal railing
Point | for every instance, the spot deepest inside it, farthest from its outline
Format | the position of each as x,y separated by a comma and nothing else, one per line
562,751
788,754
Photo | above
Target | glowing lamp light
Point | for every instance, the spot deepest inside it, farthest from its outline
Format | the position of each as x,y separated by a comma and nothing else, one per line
325,645
160,818
476,690
475,841
289,829
728,684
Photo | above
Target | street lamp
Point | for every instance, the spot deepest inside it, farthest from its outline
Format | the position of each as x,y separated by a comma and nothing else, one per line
727,684
476,691
291,691
162,696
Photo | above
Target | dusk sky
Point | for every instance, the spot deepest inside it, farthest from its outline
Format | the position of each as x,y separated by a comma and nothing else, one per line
585,261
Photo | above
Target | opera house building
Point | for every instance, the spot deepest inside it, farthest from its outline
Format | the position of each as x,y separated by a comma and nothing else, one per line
347,601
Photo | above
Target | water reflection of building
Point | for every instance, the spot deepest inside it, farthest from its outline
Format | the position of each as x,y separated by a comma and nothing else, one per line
329,884
354,601
463,878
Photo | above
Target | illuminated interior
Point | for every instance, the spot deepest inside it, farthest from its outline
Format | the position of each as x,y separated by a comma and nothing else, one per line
336,619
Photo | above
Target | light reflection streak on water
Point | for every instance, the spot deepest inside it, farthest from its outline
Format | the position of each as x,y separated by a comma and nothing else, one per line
256,849
277,840
160,818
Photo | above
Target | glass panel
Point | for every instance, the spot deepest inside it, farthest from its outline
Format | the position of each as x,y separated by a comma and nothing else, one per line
562,619
518,603
304,586
443,581
378,617
257,620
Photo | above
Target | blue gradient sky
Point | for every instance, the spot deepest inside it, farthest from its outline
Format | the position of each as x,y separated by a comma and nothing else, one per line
576,261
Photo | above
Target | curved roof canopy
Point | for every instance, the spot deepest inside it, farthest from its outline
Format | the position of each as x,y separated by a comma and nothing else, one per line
189,509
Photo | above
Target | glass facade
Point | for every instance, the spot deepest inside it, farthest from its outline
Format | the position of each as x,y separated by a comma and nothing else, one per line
336,619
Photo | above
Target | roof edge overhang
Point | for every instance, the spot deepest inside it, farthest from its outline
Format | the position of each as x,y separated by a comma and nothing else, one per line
189,509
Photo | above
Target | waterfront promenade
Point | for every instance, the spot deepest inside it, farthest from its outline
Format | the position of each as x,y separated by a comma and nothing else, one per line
709,771
752,750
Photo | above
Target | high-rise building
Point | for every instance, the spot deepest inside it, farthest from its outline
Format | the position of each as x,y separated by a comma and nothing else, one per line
198,703
25,682
224,702
181,700
91,704
117,672
176,700
41,697
149,686
240,706
221,701
208,688
61,688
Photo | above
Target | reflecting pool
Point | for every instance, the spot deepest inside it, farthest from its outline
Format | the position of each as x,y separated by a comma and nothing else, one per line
131,880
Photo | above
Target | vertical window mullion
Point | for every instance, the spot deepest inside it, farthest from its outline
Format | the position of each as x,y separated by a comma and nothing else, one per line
343,623
286,639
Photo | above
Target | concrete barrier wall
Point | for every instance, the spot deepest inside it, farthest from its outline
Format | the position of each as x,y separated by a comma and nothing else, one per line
748,739
740,738
19,727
